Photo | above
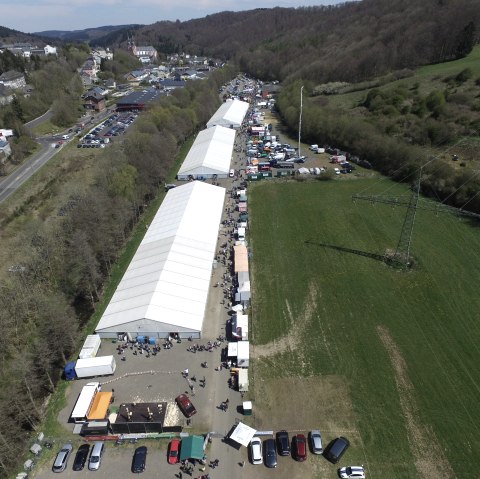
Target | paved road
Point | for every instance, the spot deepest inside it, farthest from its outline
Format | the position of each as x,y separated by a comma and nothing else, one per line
11,183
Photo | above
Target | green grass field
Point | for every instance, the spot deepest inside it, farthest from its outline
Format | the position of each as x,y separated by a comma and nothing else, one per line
405,344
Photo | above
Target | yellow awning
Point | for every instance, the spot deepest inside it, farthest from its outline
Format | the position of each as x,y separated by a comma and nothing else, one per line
100,406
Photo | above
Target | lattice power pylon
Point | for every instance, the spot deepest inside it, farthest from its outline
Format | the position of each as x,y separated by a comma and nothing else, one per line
402,255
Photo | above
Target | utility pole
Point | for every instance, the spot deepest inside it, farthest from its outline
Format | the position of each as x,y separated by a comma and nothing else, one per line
402,255
300,120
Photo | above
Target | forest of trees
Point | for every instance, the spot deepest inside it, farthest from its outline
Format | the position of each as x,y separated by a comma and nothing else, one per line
44,305
348,42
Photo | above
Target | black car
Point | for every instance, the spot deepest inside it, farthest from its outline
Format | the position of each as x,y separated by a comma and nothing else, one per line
139,459
270,453
336,449
283,443
81,457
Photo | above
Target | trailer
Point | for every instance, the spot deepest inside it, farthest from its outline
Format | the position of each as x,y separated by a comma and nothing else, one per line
90,346
84,402
90,367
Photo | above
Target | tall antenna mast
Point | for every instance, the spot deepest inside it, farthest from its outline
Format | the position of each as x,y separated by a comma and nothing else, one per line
300,120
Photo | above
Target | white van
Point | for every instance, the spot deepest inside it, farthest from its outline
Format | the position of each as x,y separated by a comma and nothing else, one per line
232,173
65,137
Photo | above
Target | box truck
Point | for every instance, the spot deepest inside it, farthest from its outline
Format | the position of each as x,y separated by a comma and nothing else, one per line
84,402
90,346
90,367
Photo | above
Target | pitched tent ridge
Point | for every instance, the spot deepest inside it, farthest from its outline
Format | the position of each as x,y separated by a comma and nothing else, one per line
168,279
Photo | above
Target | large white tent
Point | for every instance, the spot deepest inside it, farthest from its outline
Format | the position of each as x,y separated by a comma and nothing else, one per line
166,285
210,155
230,114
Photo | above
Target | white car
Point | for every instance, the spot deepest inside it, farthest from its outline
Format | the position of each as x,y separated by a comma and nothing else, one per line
256,450
357,472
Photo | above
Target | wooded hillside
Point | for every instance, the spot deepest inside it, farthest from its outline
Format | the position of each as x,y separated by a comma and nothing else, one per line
351,41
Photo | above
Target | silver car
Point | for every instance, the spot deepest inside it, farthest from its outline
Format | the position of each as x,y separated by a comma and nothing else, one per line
62,458
96,456
316,442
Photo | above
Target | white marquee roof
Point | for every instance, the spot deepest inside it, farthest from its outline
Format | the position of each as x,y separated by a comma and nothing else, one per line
211,153
168,279
230,113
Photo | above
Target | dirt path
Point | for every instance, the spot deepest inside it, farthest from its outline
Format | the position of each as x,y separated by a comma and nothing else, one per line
293,339
430,459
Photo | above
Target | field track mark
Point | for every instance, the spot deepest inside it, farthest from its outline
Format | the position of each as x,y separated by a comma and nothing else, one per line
294,337
430,460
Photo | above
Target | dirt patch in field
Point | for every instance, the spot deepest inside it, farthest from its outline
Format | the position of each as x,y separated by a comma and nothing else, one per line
430,460
294,337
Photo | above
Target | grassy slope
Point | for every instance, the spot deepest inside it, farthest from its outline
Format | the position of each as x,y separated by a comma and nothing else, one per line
430,313
426,76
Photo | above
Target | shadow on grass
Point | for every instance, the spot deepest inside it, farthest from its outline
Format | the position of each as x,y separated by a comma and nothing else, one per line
375,256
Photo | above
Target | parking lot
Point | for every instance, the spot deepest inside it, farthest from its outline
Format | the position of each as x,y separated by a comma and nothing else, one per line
105,132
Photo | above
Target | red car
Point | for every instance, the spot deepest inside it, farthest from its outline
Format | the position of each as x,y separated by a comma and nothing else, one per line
185,405
174,451
299,444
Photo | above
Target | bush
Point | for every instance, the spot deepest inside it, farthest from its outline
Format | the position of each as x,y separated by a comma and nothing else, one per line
464,75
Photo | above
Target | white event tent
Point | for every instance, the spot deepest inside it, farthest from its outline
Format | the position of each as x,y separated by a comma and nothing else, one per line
165,288
210,155
230,114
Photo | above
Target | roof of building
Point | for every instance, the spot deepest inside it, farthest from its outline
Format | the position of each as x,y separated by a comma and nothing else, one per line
167,281
230,113
140,97
211,152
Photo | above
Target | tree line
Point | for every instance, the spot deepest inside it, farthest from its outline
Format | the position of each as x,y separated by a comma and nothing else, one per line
49,296
389,154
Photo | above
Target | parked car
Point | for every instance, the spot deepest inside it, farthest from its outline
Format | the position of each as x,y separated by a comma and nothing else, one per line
185,405
95,460
81,457
299,447
173,456
357,472
61,459
283,443
316,442
336,449
139,459
256,450
270,453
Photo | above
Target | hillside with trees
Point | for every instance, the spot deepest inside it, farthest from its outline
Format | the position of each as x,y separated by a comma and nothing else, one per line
347,42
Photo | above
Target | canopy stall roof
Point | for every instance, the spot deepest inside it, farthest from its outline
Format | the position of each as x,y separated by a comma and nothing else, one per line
240,258
230,113
243,434
168,278
211,153
100,406
192,448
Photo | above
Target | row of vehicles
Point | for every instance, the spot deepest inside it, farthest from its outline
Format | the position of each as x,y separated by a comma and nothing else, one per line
102,134
94,455
266,452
